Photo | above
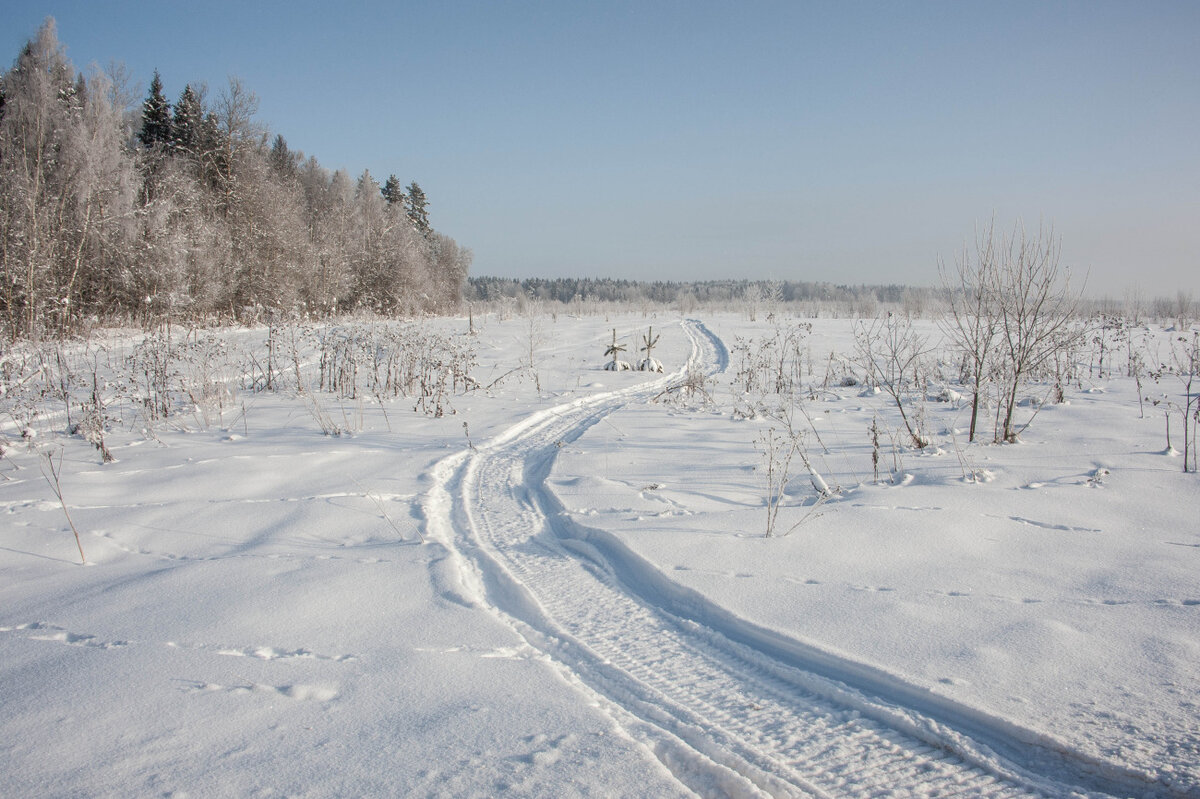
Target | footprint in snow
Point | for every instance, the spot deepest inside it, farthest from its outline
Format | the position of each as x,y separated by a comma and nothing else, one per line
1049,526
799,581
76,639
50,632
503,653
315,693
264,652
547,753
715,572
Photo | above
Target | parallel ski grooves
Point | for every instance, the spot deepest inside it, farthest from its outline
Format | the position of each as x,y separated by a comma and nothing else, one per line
692,690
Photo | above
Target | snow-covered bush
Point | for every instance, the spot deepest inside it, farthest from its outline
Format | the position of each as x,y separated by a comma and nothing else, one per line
649,363
392,360
614,349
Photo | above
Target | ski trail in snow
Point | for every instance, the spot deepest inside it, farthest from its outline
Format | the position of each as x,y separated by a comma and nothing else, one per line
730,708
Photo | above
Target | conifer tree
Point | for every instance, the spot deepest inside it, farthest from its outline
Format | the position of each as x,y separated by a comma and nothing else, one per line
392,192
418,212
156,117
187,123
283,160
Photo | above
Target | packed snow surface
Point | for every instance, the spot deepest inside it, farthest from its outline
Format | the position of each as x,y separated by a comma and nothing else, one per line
561,586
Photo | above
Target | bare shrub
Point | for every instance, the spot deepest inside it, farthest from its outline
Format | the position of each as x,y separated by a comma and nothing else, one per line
389,361
892,355
779,444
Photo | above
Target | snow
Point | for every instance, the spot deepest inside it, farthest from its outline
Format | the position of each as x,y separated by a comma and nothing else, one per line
595,610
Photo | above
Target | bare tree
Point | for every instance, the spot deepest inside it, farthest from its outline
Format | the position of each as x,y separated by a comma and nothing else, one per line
448,267
40,100
1185,366
1182,309
972,321
101,185
373,280
752,295
328,213
1034,306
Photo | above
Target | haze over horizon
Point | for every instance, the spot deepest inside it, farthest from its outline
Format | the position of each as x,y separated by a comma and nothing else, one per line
850,143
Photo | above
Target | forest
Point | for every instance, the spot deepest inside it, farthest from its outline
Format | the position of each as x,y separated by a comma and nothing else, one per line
115,211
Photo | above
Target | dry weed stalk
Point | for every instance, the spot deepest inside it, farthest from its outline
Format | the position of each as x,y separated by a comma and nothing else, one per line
54,478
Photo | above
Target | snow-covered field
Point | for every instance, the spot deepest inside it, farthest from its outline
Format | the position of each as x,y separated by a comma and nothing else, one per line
561,585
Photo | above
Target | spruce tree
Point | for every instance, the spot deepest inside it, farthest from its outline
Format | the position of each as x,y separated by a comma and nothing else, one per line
156,117
417,209
283,160
187,123
392,192
79,94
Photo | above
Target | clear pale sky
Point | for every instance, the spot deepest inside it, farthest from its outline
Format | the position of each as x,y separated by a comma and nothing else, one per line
848,142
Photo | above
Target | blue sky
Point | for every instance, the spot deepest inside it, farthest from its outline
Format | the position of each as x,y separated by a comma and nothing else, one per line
849,142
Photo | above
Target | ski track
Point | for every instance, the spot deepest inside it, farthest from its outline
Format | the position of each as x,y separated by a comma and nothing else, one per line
729,708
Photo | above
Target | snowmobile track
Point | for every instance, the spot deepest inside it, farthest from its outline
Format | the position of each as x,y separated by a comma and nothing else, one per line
730,709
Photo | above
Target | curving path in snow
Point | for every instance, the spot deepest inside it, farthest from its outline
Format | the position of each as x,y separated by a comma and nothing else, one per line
730,708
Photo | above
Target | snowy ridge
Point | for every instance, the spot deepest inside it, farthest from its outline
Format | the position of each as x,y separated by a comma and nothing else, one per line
729,707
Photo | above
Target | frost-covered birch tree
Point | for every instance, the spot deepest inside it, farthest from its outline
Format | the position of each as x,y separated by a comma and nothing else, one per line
187,211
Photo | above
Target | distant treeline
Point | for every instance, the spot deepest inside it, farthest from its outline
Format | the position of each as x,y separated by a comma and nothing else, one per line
113,211
608,290
817,297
